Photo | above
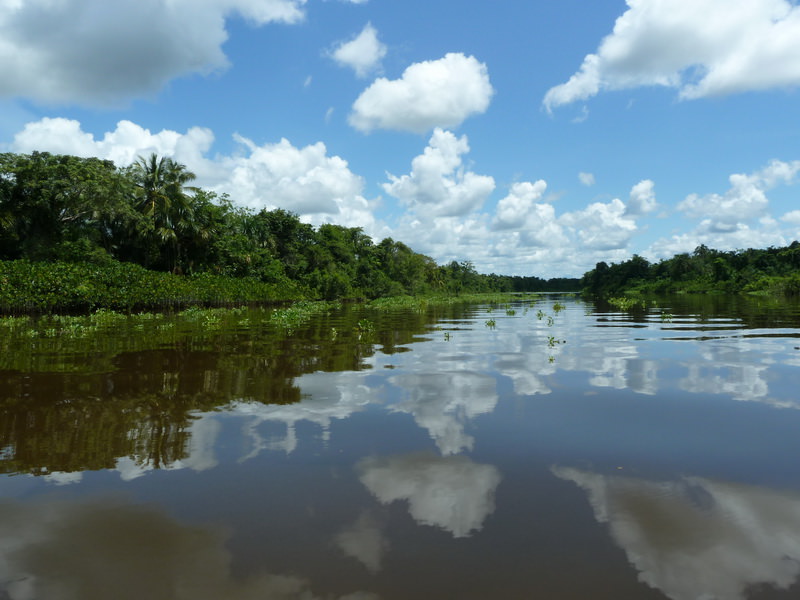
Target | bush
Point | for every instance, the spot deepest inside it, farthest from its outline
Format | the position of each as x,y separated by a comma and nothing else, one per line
43,287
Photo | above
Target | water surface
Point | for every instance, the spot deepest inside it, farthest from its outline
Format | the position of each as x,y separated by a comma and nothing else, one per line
520,451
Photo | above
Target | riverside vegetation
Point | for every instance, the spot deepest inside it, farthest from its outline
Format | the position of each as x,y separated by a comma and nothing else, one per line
78,234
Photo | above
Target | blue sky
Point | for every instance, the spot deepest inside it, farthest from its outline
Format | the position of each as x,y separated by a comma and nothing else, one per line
532,138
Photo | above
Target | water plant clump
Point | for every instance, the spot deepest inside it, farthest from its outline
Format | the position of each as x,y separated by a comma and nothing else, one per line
295,315
627,303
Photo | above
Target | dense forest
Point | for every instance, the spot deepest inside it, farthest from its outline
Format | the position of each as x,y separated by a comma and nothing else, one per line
770,270
85,223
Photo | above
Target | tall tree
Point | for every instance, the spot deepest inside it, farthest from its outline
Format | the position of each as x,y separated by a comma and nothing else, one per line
162,186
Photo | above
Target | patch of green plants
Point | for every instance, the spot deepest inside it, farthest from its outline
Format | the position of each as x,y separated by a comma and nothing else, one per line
63,287
293,316
627,303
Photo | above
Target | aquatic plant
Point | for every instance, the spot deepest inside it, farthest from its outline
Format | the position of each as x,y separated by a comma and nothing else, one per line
627,303
490,323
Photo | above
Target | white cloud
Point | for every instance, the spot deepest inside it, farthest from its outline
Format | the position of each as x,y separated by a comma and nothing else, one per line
438,93
95,52
736,219
701,47
738,236
438,183
123,145
363,53
792,217
643,198
318,187
586,179
602,226
514,209
746,199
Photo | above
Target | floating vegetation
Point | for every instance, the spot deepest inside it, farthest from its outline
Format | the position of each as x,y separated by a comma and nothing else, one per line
558,307
666,317
491,323
292,317
446,336
553,342
511,312
624,303
540,314
364,329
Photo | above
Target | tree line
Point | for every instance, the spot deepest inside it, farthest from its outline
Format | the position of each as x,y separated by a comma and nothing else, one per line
768,270
62,208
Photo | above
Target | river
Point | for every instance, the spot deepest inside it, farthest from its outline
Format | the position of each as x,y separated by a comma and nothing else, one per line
546,448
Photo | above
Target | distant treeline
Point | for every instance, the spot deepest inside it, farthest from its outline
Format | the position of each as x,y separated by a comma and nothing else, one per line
64,210
770,270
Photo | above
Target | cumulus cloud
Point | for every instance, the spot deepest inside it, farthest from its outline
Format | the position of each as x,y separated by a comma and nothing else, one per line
707,233
363,53
437,93
534,223
318,187
738,218
123,145
746,199
602,226
643,198
95,52
701,47
513,210
438,182
792,217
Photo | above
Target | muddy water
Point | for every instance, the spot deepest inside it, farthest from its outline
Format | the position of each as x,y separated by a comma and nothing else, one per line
547,449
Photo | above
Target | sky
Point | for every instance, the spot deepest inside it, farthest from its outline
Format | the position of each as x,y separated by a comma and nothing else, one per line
529,137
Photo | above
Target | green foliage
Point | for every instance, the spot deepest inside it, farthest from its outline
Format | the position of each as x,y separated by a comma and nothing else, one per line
109,237
27,286
770,270
626,303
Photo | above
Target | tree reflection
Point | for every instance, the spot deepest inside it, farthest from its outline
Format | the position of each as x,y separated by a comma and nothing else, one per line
110,549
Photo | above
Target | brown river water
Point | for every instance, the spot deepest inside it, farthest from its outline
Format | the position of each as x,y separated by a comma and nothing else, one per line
551,448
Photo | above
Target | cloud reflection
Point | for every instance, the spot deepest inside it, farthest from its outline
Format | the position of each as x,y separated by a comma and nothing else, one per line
364,540
443,402
326,397
96,551
696,538
452,492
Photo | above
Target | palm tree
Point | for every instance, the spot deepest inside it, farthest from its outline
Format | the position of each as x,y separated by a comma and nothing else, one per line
161,197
